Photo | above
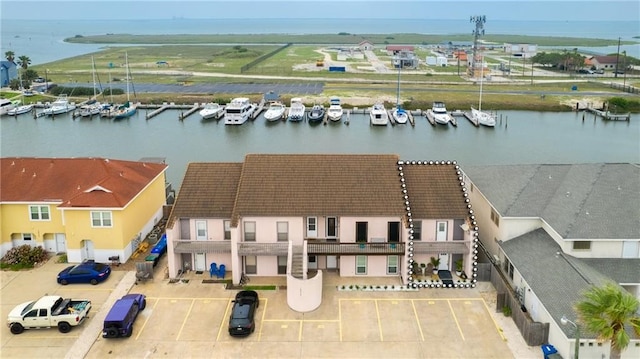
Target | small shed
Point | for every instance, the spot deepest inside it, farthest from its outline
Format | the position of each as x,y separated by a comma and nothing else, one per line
365,45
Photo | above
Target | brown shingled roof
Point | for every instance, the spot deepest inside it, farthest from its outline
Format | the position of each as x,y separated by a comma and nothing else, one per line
208,190
434,191
76,182
301,185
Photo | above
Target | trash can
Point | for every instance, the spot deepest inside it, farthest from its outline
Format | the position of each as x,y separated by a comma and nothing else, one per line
550,352
153,257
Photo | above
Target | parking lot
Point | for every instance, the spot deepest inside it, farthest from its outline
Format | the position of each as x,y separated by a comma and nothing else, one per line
190,320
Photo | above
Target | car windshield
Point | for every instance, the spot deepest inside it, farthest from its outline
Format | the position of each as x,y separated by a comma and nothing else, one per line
241,311
27,308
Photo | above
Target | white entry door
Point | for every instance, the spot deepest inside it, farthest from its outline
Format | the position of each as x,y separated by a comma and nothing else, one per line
313,262
441,231
87,250
199,264
312,227
444,261
61,243
332,262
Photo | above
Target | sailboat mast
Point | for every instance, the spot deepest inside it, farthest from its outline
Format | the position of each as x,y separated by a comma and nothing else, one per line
93,65
481,78
398,91
126,62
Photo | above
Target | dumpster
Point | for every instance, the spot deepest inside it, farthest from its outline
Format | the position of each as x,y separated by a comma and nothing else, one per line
550,352
153,257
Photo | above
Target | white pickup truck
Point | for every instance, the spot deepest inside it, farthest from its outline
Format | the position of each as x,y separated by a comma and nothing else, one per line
48,311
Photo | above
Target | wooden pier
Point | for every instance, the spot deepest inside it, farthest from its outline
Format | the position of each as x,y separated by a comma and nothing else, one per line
258,110
412,121
467,115
607,115
195,108
429,115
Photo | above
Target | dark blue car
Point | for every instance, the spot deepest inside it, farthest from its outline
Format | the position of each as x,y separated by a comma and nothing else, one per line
85,272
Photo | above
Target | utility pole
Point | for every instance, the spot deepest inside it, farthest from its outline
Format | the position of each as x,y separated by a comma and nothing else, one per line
615,73
477,32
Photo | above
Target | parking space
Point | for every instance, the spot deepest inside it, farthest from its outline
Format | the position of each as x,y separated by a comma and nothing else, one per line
191,319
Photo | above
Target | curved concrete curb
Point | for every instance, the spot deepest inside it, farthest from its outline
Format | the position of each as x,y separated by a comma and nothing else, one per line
90,332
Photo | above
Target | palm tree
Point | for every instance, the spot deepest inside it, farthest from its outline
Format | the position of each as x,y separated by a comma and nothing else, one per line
10,56
24,61
607,312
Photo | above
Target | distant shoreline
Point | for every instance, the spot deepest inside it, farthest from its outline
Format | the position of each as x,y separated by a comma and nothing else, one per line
342,38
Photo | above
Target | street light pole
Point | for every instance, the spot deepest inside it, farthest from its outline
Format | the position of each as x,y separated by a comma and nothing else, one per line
564,320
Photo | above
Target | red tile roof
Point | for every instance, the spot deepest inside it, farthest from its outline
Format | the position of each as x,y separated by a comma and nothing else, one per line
75,182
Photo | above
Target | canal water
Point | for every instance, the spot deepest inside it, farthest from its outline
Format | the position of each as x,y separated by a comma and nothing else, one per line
521,137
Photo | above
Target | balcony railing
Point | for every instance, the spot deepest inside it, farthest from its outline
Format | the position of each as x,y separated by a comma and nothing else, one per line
452,247
263,249
186,246
332,248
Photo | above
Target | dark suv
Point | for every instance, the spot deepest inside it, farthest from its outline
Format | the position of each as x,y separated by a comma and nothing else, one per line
241,322
119,321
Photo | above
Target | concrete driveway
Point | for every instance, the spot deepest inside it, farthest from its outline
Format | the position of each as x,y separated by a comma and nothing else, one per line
190,320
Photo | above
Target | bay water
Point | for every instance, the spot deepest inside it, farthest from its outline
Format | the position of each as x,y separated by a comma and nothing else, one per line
520,137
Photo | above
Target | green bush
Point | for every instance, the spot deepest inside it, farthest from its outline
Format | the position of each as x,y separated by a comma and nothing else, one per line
24,256
506,310
620,104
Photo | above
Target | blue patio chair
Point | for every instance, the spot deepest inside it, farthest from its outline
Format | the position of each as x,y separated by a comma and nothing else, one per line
222,271
213,269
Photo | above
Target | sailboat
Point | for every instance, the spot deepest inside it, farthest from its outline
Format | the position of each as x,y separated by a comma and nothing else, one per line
92,107
399,115
128,109
481,117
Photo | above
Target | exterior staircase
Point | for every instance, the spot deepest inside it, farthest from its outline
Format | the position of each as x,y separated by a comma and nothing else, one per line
297,259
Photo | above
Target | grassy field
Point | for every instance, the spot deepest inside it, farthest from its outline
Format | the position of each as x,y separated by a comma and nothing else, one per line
194,64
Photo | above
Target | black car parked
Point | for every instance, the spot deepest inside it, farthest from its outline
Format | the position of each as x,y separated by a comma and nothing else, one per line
241,322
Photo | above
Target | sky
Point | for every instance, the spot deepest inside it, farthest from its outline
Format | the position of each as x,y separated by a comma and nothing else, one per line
556,10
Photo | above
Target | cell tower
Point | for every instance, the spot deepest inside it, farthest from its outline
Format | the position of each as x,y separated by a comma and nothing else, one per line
477,32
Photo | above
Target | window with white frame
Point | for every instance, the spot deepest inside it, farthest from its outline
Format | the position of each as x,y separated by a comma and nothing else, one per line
282,264
283,231
249,231
417,230
227,230
39,213
392,264
201,230
251,265
101,219
361,264
27,236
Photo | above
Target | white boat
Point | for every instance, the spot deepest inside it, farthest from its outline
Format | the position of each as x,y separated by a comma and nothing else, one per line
296,110
20,110
127,109
400,115
211,110
89,110
238,111
59,106
482,117
275,111
379,115
440,114
335,111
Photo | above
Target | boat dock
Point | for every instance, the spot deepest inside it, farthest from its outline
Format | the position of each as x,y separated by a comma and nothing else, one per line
258,110
467,115
193,109
607,115
166,106
429,115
